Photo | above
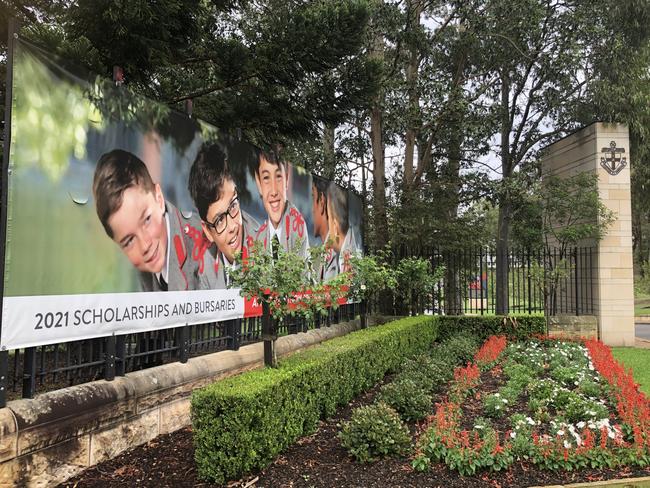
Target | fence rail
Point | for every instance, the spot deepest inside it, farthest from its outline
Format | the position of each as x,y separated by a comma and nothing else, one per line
469,282
467,287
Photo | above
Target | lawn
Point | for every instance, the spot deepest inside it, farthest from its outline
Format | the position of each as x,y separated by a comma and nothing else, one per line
641,304
639,361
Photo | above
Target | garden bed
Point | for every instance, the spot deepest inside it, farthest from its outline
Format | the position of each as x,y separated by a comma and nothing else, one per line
320,460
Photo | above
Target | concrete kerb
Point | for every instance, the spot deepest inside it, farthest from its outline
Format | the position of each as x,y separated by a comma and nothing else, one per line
103,418
643,482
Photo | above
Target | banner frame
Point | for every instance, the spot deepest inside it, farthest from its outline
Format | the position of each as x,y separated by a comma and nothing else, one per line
12,33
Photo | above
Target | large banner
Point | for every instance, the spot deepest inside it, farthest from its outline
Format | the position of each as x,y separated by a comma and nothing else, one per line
125,216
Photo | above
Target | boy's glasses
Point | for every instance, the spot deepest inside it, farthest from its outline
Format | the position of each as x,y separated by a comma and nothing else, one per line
221,221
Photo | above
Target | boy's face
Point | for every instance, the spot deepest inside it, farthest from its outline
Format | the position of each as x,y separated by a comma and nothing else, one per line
335,235
318,210
229,241
271,182
140,230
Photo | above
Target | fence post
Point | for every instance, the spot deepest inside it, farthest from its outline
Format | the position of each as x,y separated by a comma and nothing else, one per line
4,375
183,340
29,372
120,355
268,335
577,282
109,359
363,314
233,330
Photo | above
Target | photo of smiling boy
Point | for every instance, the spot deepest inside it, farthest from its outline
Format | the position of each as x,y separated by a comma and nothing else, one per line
284,221
328,268
225,224
134,213
342,236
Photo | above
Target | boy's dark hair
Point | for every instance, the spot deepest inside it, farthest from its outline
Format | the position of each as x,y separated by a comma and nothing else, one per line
116,172
207,176
321,184
271,156
338,199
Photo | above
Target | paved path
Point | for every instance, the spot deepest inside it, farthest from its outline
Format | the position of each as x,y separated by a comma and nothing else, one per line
642,331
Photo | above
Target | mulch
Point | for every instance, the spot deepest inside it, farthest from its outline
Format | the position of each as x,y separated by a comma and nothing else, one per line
318,461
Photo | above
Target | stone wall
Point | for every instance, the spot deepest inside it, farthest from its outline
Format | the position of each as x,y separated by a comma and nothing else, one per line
574,327
48,439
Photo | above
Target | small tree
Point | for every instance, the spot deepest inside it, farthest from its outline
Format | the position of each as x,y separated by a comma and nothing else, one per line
415,279
370,274
571,213
283,284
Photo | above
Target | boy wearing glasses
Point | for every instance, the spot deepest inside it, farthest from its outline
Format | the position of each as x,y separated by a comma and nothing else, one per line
285,224
224,223
134,213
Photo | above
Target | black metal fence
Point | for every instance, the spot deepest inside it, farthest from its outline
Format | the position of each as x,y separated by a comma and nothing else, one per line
37,369
468,286
539,282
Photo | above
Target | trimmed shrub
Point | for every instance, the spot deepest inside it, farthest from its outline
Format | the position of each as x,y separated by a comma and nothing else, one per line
513,326
375,431
241,423
429,372
458,348
410,399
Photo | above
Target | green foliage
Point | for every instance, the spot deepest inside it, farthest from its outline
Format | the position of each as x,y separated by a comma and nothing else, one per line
513,326
415,278
430,372
495,405
370,275
373,432
243,422
411,400
284,284
459,348
642,282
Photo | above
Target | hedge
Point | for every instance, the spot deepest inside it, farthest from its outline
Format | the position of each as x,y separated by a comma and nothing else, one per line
241,423
514,326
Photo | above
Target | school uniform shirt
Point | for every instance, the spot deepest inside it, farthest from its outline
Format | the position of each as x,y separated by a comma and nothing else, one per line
218,279
330,268
292,232
348,249
185,264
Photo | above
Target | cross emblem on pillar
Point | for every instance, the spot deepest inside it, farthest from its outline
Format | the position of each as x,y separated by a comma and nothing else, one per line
613,162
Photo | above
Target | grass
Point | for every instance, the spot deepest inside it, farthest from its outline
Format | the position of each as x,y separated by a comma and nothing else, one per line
638,360
641,304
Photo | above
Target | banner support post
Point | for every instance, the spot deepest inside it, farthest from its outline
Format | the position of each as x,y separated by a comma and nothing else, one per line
12,33
29,372
109,365
268,335
183,338
120,356
4,373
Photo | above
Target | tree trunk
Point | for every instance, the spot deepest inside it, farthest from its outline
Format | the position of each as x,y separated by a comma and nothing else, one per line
414,8
503,228
329,154
380,219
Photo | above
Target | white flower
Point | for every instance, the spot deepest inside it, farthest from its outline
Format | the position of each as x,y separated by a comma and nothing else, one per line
363,287
478,427
513,434
567,444
560,432
580,424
